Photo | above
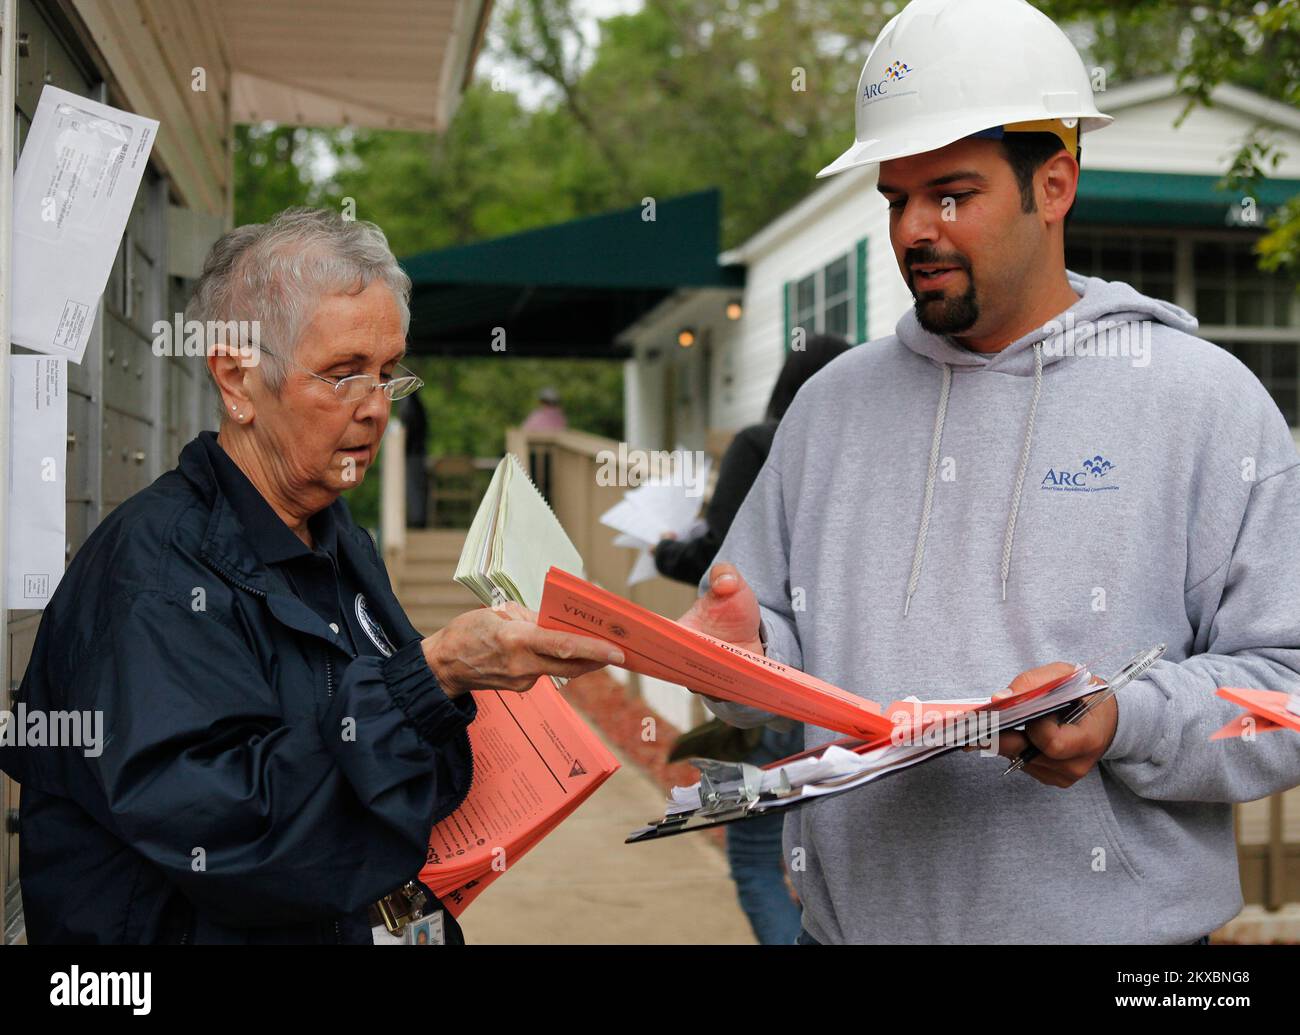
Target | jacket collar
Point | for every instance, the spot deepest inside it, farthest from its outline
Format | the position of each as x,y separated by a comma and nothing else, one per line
228,548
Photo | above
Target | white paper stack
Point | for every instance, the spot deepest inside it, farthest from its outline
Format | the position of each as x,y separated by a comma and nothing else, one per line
645,513
514,538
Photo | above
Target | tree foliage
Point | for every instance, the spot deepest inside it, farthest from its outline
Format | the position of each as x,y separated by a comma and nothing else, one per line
753,96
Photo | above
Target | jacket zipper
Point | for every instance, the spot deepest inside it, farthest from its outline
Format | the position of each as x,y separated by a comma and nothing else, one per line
329,681
329,689
235,581
232,579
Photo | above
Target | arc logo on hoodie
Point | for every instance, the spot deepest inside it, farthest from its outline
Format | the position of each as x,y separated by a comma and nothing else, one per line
1094,474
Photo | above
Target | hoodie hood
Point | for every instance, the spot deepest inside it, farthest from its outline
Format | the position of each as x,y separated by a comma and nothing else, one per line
1100,300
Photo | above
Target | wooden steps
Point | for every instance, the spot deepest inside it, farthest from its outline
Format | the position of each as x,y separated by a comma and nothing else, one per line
426,588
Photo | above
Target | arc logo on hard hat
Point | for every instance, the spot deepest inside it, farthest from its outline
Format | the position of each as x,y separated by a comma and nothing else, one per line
372,628
893,73
897,70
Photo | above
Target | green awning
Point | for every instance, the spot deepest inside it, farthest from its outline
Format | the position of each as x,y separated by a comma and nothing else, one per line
1177,199
568,289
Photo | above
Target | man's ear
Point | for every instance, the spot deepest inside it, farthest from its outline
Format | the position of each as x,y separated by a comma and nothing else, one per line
1058,182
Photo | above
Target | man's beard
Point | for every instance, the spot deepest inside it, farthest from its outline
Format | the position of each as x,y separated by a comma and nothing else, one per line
939,314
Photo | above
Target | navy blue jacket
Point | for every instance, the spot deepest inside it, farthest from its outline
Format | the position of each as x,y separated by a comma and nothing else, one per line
257,783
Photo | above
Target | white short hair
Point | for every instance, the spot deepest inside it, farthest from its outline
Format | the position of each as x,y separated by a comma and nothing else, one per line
276,274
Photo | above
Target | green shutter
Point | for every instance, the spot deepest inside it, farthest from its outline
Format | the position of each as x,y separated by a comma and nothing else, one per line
860,321
785,297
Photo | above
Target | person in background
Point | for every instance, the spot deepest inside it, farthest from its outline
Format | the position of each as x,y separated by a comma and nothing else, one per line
417,474
753,847
548,415
687,560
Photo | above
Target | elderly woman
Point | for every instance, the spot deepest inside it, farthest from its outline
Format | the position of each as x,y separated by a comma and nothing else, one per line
278,739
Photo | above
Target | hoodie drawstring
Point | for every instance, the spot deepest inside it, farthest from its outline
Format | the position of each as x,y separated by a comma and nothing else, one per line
918,556
1024,463
921,533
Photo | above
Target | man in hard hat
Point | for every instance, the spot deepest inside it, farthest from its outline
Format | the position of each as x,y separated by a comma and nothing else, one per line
1034,466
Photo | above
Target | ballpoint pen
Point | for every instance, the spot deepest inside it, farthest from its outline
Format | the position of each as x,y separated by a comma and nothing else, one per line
1133,670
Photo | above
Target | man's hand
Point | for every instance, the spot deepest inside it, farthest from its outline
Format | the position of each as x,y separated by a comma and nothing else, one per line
727,612
1068,752
503,648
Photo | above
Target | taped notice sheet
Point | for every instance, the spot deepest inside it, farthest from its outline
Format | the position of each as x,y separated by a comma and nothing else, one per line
38,458
74,189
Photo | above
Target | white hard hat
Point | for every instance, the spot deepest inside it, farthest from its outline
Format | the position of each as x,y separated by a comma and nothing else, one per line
942,70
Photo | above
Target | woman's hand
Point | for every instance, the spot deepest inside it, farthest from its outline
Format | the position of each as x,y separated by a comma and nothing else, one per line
503,648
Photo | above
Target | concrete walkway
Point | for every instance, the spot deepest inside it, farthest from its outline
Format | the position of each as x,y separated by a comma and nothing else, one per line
584,886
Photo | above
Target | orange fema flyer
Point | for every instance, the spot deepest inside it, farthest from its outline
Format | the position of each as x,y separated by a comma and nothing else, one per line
535,762
657,646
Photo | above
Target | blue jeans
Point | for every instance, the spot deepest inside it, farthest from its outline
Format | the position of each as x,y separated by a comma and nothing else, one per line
755,855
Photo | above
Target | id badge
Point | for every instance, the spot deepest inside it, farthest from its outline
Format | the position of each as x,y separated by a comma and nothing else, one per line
428,930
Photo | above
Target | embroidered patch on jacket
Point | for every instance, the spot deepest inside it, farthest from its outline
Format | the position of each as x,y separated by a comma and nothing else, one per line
372,628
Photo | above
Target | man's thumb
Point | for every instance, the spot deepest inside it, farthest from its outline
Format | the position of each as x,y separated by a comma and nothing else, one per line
724,580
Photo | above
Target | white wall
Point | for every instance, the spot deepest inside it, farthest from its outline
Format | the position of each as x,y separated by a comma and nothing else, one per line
833,228
1144,139
675,703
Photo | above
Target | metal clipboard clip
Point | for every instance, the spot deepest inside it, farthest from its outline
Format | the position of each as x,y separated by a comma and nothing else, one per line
728,791
727,786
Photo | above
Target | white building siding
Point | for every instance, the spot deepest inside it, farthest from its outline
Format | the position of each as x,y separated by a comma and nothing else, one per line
1144,139
839,219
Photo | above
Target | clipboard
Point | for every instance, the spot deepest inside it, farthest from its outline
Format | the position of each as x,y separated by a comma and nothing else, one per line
730,792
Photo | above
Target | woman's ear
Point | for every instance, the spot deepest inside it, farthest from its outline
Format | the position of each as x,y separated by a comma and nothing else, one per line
230,374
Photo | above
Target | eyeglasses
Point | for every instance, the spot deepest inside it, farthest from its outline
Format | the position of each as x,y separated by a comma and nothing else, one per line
359,386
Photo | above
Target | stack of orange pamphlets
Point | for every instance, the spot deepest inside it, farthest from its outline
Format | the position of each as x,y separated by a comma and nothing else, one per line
659,647
535,761
1265,710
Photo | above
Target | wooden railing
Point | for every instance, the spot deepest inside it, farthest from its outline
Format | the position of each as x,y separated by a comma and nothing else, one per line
392,502
565,465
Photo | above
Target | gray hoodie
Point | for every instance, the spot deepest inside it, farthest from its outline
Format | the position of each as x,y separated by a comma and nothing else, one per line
933,521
